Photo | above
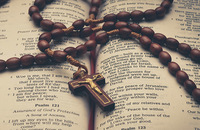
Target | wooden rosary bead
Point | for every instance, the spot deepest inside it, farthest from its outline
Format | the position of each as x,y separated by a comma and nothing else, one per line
189,86
184,49
121,24
159,38
48,1
13,63
123,16
155,49
87,31
172,43
96,3
164,57
45,36
196,94
81,49
147,32
124,32
195,55
78,24
110,17
150,15
59,25
94,10
173,68
59,56
160,12
40,4
71,51
37,18
181,76
90,45
166,4
145,42
57,33
46,24
33,9
41,59
102,38
137,15
135,27
107,26
43,45
27,60
2,65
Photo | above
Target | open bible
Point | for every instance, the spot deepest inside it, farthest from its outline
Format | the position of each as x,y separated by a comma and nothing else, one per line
146,95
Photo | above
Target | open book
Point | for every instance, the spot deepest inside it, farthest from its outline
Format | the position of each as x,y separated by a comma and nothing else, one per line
146,95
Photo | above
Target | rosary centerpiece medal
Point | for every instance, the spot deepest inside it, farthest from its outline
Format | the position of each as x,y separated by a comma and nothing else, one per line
91,84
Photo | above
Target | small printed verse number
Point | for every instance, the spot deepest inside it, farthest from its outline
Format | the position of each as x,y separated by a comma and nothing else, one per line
55,105
141,127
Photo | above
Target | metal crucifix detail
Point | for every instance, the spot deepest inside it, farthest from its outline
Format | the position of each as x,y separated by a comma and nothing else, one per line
90,83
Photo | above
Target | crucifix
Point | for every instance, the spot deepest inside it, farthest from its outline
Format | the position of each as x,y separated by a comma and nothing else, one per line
90,83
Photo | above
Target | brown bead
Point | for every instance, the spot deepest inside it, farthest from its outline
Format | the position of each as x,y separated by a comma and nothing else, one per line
166,4
173,68
121,24
59,25
81,49
71,51
59,56
124,32
123,16
135,27
184,49
145,42
172,43
137,15
40,4
164,57
90,45
155,49
41,59
43,45
107,26
159,38
196,94
94,10
78,24
150,15
96,3
110,17
160,12
189,86
102,38
37,18
33,9
46,24
181,76
48,1
2,65
57,33
13,63
45,36
147,32
195,55
87,31
27,60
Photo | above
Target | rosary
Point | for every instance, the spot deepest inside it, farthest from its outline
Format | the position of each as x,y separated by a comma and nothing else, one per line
114,24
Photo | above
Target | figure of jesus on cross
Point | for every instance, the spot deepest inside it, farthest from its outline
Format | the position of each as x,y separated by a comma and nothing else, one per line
91,84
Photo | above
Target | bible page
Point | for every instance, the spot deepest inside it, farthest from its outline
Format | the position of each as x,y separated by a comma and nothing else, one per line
146,95
38,98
